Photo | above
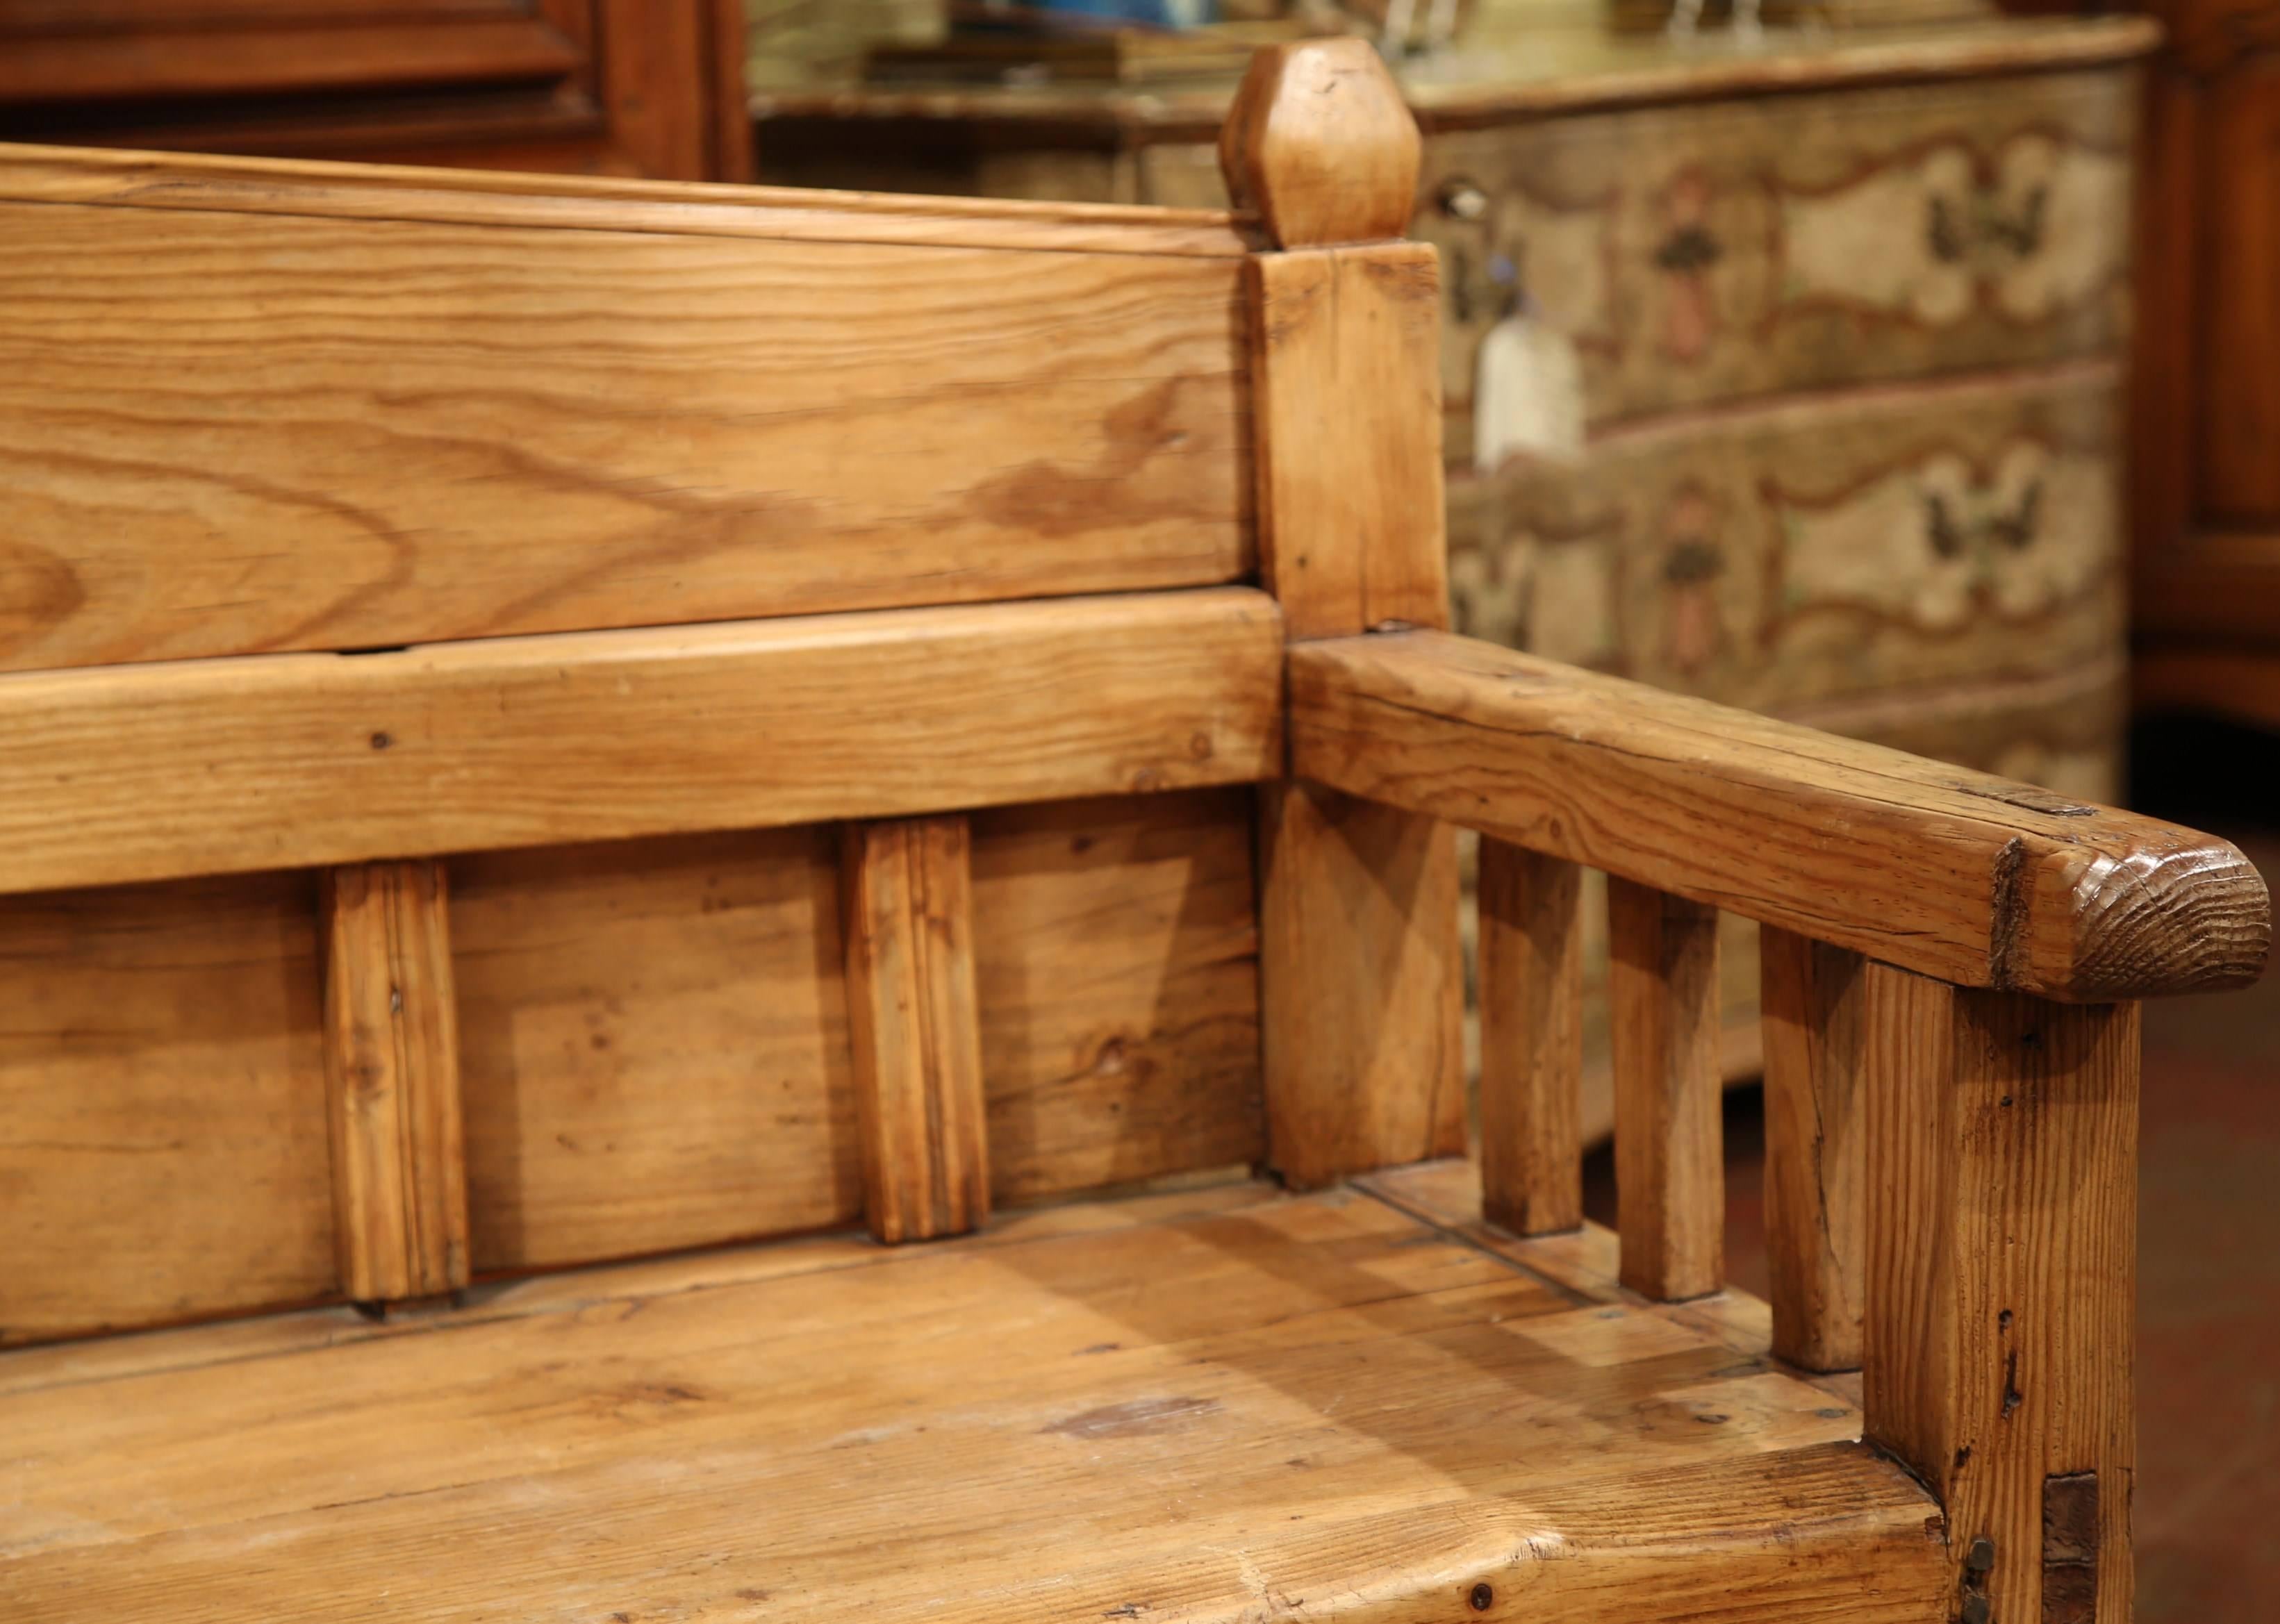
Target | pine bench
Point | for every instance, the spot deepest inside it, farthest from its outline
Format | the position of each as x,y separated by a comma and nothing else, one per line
570,747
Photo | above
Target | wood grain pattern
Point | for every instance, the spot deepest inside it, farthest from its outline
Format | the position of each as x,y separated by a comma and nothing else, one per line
162,1105
352,432
1319,141
1973,880
1670,1178
1532,999
655,1036
1347,405
392,1081
1361,985
206,183
1586,1262
1116,958
907,922
1135,1447
2002,1225
147,771
1360,956
655,1049
1816,1174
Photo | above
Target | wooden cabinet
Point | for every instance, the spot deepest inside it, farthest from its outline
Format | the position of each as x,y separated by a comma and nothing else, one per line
2206,431
616,87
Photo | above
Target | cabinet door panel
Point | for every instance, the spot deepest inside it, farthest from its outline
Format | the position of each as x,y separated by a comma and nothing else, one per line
120,48
623,87
2239,318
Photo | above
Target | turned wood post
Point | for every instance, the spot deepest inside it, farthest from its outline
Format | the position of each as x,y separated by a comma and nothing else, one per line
1361,964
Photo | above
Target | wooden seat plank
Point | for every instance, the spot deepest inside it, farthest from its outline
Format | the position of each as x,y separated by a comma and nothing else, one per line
1270,1404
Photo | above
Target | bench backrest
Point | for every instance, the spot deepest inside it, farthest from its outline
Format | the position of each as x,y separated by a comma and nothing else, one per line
549,720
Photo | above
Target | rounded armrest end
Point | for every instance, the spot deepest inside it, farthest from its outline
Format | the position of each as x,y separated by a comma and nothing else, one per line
2176,912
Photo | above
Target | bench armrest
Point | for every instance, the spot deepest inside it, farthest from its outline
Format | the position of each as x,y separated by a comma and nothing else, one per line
1973,880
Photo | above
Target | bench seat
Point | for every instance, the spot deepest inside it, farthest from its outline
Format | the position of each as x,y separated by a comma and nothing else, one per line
1225,1402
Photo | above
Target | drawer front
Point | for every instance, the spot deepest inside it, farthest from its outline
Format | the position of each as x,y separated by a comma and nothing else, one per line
1687,256
1807,551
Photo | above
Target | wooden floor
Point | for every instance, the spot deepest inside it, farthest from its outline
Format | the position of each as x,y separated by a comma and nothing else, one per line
1225,1404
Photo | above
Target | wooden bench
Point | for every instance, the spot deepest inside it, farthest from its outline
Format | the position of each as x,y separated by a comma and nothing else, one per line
556,732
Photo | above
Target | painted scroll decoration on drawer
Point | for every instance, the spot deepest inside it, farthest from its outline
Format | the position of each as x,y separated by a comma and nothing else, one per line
1932,543
2030,231
1807,551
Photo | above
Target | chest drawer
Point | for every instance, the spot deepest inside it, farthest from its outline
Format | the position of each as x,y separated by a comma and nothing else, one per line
1684,256
1812,549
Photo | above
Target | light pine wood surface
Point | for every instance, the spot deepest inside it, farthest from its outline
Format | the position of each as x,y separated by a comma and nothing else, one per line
207,183
351,430
146,771
1975,881
162,1081
1181,1367
392,1078
1116,958
1361,954
1670,1173
1321,142
1349,436
2002,1281
655,1050
907,918
1531,998
1816,1147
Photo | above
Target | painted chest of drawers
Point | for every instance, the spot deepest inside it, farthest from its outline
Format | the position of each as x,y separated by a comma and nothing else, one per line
1789,375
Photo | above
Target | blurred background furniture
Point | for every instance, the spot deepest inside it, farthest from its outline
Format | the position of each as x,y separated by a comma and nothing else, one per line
2207,430
1809,354
606,87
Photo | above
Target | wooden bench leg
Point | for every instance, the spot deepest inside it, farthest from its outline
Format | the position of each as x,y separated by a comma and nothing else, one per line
392,1068
2002,1226
908,889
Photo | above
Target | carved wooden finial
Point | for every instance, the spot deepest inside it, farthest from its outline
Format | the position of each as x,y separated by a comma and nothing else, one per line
1322,144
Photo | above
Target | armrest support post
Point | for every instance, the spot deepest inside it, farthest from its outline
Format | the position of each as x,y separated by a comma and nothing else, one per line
2002,1238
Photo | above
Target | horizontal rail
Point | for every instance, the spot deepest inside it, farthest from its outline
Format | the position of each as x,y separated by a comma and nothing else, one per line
319,188
170,769
1976,881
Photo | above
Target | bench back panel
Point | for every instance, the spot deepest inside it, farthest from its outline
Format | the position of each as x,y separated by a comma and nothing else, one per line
653,1045
253,408
257,418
